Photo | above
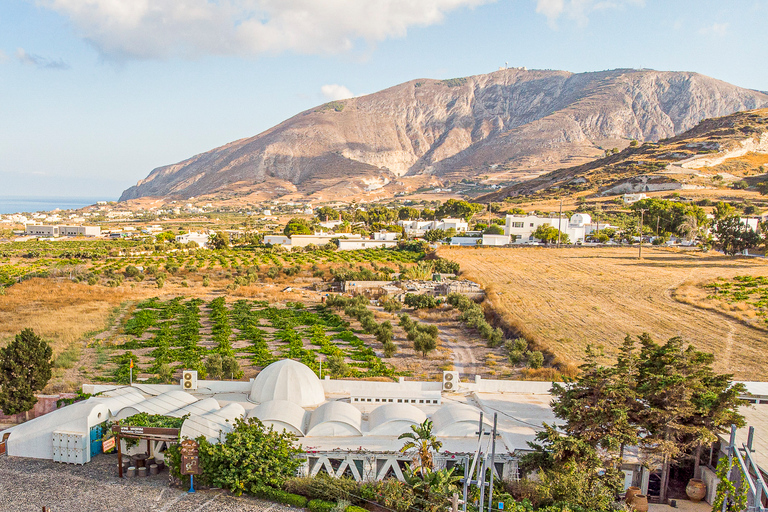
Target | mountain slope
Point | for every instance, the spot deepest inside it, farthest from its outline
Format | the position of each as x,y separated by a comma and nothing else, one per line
715,147
507,122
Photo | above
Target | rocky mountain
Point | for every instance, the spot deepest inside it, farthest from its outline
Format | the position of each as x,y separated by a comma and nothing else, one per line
718,153
509,124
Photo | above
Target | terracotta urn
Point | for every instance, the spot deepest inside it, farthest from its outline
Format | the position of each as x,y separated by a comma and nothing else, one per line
631,492
696,489
639,503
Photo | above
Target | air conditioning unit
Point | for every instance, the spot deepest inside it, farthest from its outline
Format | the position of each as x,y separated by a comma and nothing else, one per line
450,381
189,380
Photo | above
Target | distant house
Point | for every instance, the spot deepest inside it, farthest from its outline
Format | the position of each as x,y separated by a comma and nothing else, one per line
201,239
57,230
416,228
633,198
520,228
380,239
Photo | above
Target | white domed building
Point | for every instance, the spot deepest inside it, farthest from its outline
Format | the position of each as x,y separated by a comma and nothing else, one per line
288,380
346,427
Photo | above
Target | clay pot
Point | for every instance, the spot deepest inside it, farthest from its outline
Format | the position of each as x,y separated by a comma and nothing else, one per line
639,503
696,490
631,492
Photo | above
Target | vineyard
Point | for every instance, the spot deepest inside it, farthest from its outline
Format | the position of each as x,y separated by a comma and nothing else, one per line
164,337
107,262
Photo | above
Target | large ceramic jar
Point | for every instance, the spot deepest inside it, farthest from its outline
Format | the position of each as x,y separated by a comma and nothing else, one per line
639,503
696,489
631,492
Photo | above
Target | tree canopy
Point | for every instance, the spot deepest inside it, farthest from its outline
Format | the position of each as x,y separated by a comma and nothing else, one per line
733,236
549,234
297,227
668,215
25,368
458,208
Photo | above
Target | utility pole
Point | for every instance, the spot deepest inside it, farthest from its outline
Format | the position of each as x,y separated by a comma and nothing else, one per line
493,461
559,220
640,249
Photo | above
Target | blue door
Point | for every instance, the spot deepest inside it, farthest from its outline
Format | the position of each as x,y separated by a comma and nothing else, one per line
96,433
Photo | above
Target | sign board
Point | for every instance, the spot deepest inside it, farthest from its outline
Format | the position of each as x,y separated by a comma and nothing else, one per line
189,447
107,444
129,431
190,465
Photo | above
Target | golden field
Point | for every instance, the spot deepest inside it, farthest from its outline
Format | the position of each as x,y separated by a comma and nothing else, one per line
565,299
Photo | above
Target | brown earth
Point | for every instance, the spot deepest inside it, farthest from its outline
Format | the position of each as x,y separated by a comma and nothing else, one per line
564,299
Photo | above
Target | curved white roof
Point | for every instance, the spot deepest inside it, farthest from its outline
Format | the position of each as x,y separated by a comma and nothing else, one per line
456,420
335,419
199,408
214,425
282,415
160,404
391,419
288,380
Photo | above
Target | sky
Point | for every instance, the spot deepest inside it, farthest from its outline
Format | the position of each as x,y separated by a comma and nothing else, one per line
94,94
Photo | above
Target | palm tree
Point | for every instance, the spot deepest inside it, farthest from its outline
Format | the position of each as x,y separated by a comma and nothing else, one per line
422,442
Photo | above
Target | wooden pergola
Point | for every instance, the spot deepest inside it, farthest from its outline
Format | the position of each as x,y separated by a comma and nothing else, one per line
169,435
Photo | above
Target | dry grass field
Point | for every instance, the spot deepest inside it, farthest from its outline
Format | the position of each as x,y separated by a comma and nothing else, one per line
564,299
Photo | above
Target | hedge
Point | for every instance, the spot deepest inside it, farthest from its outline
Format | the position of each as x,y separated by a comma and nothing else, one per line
280,496
321,506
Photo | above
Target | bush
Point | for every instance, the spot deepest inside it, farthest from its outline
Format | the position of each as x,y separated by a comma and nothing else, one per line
354,508
515,356
231,464
321,506
535,359
279,496
420,301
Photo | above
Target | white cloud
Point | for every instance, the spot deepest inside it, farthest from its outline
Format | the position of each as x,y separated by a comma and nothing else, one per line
122,29
38,61
579,10
715,29
333,92
3,56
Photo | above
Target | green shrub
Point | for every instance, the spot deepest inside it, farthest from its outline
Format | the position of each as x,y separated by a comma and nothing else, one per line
535,359
420,301
515,356
279,496
321,506
354,508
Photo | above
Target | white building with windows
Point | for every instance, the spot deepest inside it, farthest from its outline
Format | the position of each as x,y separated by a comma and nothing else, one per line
520,228
416,228
48,230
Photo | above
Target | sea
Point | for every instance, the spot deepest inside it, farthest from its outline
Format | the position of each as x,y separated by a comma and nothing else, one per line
30,204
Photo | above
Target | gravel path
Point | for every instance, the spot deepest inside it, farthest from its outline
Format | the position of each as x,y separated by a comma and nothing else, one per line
30,484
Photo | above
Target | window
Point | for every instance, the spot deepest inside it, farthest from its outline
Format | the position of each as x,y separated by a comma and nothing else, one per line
518,224
531,224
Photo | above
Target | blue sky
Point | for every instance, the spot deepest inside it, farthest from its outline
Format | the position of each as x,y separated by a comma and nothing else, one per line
94,94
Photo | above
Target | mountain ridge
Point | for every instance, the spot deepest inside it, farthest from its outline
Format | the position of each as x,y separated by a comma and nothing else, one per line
510,123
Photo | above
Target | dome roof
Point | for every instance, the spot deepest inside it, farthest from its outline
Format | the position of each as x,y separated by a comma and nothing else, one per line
391,418
456,420
335,419
288,380
282,415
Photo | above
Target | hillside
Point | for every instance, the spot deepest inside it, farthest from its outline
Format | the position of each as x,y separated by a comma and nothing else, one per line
509,124
716,153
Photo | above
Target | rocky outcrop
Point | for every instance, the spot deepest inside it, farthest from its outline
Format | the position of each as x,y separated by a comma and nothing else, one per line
457,127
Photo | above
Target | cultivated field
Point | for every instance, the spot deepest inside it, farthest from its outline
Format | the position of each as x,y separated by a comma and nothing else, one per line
564,299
